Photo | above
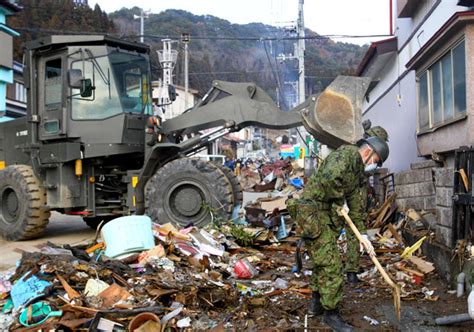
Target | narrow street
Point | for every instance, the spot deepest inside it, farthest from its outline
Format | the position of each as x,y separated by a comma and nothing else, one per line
61,229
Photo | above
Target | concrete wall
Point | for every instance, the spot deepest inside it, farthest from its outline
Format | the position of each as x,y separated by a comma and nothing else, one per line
444,181
415,188
428,186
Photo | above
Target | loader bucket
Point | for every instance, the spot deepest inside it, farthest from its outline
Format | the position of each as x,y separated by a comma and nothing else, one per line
334,117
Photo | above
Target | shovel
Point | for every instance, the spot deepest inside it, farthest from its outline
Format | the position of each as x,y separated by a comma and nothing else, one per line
388,280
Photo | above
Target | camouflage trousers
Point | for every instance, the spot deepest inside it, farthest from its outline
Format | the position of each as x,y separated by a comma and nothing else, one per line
352,254
327,277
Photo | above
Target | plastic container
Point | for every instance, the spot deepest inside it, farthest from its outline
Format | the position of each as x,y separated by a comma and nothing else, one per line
244,270
128,234
470,304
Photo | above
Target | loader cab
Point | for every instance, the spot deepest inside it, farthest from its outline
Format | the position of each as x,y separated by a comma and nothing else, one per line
91,89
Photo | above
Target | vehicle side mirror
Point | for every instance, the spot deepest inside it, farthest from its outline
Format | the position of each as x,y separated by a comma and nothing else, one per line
77,81
172,92
75,78
86,88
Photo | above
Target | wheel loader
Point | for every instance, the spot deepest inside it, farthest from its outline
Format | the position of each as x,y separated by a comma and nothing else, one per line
91,146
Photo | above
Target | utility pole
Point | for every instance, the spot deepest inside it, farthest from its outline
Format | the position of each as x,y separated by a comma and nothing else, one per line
185,38
300,54
143,15
167,58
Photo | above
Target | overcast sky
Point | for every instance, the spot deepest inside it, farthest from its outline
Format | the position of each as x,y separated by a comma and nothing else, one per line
326,17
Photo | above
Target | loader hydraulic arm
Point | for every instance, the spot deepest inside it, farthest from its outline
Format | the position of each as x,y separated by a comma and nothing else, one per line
333,117
233,106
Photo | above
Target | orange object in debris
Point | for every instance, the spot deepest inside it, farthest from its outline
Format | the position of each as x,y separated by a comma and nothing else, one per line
113,294
71,292
170,231
100,245
140,320
157,251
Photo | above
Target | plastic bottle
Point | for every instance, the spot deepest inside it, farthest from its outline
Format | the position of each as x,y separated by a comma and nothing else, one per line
460,290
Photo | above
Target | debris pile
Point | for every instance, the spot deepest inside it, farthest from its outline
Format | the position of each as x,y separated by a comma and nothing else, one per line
268,176
239,274
190,278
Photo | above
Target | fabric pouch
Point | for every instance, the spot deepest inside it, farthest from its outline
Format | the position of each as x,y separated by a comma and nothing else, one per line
305,213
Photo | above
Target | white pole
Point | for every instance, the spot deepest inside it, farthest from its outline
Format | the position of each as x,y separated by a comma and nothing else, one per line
301,50
142,26
186,76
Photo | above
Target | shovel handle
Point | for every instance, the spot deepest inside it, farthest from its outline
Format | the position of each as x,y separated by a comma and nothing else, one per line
372,257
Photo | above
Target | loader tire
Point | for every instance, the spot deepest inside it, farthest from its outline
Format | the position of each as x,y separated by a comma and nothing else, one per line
23,212
188,191
237,192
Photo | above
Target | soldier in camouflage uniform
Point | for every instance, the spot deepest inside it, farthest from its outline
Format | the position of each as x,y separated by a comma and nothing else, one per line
377,131
353,246
339,179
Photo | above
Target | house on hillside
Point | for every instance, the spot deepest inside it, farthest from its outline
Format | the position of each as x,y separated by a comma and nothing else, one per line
7,8
423,94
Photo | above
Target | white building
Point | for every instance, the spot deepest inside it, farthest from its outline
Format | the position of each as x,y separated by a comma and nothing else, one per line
421,96
177,107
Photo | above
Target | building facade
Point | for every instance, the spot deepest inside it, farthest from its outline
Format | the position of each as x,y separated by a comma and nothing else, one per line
16,95
423,94
7,8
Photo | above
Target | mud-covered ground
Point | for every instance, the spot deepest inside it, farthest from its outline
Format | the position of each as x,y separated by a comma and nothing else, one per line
286,310
275,299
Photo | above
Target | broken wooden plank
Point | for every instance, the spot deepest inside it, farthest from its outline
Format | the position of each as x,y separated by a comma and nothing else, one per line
381,213
410,271
464,178
71,292
395,233
421,264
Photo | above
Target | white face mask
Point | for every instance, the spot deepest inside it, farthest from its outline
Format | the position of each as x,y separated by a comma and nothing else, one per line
370,168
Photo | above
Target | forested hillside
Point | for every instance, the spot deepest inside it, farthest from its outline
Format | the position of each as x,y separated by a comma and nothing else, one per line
233,52
46,17
218,48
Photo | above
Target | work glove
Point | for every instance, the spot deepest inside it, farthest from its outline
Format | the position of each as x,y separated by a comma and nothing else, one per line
366,245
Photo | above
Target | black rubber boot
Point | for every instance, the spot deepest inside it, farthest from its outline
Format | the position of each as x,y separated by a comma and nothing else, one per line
315,307
352,278
335,321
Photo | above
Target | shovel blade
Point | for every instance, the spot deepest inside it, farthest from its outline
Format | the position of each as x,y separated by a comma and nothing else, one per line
335,117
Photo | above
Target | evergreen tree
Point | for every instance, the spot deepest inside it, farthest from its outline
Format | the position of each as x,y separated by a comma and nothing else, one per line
40,18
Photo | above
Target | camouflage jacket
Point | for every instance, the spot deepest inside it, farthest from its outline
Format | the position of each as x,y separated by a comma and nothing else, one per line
341,177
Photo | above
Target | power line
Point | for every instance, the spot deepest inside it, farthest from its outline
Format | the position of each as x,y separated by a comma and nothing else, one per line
279,38
248,72
228,38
